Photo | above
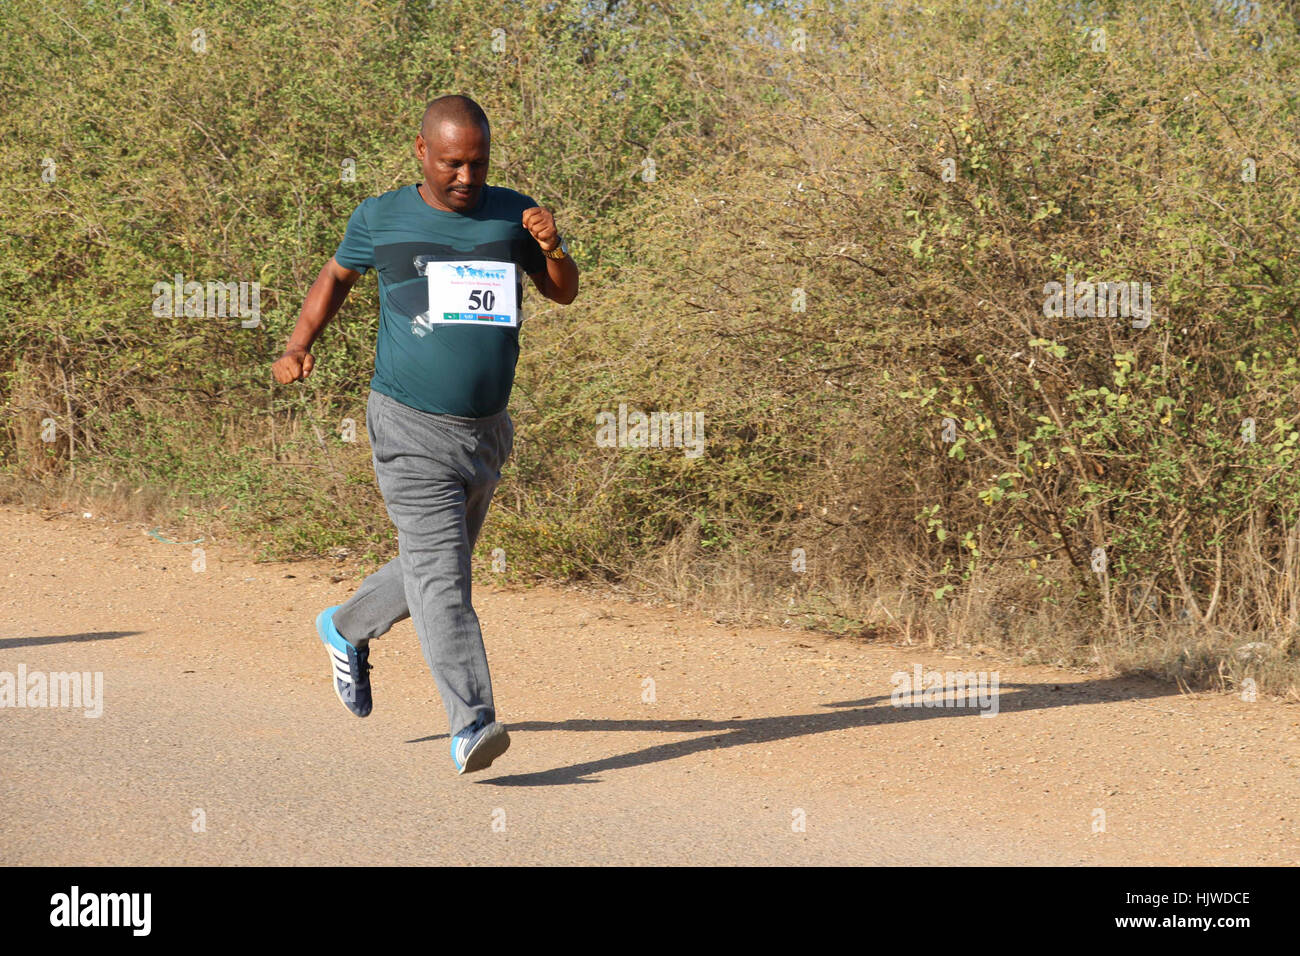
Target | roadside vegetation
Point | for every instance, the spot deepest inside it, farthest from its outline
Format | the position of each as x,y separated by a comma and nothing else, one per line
829,228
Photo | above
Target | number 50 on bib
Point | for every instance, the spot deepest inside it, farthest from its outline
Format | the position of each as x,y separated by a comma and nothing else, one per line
471,293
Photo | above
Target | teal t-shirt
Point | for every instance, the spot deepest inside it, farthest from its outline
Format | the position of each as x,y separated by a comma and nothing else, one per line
466,370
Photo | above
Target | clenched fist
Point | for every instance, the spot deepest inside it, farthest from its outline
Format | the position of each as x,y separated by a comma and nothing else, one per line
539,221
293,366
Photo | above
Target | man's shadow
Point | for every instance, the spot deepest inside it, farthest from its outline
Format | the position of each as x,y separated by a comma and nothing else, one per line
867,712
7,643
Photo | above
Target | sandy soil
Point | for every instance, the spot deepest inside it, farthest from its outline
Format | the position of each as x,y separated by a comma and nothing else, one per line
221,742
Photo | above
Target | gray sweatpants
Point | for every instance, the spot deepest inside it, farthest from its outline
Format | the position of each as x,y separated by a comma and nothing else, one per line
437,474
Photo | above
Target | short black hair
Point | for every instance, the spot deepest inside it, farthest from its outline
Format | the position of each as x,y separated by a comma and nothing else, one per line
453,108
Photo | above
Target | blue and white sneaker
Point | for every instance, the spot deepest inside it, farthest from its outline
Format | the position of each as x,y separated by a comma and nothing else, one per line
349,665
478,745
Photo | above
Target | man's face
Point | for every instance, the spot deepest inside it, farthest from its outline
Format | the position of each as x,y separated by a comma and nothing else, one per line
455,163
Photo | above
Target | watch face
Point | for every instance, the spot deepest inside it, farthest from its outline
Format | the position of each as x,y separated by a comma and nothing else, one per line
564,245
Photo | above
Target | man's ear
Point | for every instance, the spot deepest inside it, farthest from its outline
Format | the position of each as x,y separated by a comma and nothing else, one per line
420,146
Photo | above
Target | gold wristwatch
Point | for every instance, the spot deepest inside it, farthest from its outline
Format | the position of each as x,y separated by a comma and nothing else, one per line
559,252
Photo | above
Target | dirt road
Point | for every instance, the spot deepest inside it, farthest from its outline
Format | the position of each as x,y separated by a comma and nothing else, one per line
220,741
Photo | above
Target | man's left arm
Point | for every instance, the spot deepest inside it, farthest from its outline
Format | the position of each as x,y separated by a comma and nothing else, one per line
559,280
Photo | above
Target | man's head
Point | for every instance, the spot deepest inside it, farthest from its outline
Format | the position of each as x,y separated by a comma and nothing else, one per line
453,150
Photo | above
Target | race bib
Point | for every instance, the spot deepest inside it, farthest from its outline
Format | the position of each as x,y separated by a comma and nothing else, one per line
479,291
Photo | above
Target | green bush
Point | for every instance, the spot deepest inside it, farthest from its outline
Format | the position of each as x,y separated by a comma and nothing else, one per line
827,229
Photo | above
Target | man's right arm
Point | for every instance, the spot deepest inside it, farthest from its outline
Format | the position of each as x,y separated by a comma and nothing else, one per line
323,301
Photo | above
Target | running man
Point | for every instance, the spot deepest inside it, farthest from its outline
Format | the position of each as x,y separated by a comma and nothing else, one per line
449,252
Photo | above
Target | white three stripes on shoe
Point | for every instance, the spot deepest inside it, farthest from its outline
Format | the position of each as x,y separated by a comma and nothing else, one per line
342,670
